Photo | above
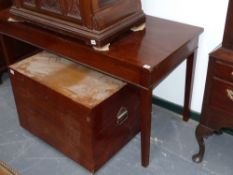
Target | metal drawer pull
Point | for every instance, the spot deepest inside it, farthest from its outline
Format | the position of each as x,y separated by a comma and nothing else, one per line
122,115
230,94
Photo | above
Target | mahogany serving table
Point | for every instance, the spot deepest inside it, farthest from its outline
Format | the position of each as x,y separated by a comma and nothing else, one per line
142,58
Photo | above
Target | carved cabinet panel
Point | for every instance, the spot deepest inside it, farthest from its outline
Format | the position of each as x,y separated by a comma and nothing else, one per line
57,8
97,22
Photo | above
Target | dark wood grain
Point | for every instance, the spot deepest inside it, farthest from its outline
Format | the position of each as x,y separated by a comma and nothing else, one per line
10,49
217,105
217,108
5,4
167,47
88,20
88,135
142,59
224,70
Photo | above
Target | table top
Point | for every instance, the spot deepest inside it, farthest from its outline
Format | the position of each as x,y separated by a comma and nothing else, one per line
142,58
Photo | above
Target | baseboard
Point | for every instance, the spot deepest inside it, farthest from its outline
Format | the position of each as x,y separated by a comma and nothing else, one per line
179,109
174,107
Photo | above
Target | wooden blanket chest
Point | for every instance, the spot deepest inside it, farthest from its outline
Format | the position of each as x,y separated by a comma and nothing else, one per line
83,113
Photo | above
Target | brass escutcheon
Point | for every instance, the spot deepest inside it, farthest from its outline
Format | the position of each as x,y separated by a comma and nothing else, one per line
122,115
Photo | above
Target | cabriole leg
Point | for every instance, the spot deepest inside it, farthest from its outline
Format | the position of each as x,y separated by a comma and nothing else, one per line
201,133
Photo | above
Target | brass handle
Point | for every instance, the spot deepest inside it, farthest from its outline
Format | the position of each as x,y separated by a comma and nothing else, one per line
230,94
122,116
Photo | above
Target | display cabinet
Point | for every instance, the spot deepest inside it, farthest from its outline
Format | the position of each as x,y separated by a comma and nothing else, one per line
97,22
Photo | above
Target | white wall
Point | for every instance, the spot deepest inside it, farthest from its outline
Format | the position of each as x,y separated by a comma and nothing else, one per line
209,14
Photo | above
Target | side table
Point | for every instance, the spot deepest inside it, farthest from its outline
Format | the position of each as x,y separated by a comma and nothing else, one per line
142,59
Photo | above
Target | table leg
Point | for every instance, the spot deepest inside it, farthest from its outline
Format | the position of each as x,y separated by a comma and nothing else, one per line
191,63
2,60
7,49
146,107
1,77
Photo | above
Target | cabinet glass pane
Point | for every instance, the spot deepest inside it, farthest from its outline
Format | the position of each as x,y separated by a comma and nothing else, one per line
103,3
29,2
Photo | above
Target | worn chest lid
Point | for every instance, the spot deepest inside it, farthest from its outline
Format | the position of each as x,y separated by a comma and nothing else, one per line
77,82
6,170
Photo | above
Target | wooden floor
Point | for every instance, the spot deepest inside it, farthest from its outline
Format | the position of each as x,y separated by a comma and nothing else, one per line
173,143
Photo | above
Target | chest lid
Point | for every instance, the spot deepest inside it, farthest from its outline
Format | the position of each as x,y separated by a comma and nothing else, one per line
83,85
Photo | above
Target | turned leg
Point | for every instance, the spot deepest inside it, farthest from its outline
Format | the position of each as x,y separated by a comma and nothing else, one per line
189,85
146,107
201,133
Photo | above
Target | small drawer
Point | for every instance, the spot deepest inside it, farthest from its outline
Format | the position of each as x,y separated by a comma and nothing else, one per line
223,71
222,95
216,118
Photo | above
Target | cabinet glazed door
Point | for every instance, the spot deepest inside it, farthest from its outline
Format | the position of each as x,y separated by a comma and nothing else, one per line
99,4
